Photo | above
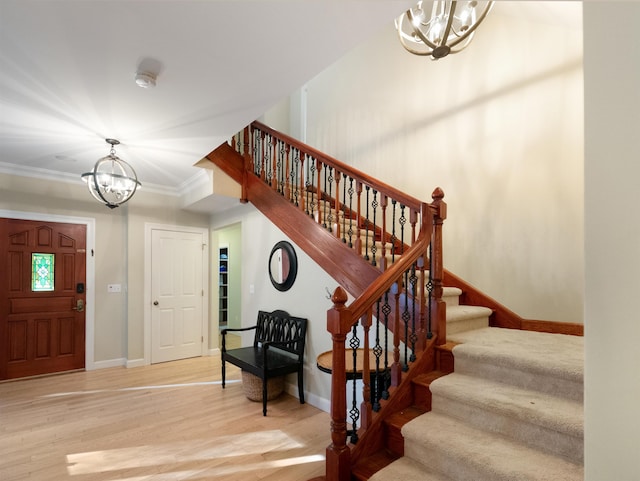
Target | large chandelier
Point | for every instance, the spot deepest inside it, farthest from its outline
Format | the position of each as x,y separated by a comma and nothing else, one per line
112,181
448,28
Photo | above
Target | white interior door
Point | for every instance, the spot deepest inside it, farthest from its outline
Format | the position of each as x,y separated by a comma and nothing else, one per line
177,295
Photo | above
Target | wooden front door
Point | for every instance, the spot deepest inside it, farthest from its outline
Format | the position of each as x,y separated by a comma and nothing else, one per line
42,297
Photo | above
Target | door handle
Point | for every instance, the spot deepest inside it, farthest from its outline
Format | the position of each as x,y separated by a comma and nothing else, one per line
79,305
155,303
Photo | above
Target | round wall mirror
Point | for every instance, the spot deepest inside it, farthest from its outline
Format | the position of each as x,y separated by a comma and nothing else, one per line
283,266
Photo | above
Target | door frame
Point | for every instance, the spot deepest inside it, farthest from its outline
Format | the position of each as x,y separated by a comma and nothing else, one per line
90,266
148,228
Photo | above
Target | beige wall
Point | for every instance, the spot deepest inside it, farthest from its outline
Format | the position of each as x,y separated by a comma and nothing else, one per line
119,253
155,209
499,127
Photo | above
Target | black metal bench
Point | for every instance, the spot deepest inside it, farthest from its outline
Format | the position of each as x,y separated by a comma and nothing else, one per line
278,349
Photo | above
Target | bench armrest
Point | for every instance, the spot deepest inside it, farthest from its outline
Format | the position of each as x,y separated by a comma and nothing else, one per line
230,329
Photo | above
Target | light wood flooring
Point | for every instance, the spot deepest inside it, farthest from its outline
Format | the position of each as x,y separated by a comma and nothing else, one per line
170,421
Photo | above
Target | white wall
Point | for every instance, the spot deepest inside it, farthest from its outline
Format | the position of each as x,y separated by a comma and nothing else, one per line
499,127
307,297
612,249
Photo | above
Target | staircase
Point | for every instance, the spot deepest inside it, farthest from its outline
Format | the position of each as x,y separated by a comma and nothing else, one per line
510,404
511,411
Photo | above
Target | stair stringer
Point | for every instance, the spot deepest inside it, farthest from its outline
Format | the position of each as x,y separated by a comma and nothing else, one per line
343,264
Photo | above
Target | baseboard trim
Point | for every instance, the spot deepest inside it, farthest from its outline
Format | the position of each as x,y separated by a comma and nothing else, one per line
316,401
108,363
135,363
213,352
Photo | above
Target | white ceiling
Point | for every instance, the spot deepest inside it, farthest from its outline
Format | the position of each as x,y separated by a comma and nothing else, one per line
67,75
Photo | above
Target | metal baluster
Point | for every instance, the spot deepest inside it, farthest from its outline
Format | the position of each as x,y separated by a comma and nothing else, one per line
310,184
406,317
377,351
403,221
393,231
324,204
257,152
327,205
279,177
351,192
374,248
386,310
354,412
366,232
430,287
344,208
413,338
268,160
294,175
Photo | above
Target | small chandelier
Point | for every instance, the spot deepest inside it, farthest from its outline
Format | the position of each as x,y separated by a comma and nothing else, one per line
112,181
448,29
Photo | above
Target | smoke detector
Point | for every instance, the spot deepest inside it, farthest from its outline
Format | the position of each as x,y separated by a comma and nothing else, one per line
145,80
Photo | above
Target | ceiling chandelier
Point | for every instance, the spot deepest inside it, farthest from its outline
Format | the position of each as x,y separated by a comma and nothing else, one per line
112,181
448,28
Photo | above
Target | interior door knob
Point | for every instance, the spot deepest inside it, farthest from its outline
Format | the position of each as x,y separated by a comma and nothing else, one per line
155,303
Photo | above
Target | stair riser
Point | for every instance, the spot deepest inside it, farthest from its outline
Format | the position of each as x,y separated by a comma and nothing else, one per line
545,439
422,396
540,382
467,325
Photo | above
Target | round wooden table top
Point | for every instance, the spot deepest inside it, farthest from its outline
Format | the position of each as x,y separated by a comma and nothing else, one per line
325,361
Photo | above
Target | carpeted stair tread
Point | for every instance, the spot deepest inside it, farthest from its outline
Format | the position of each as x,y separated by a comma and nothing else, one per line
445,445
550,363
406,469
546,422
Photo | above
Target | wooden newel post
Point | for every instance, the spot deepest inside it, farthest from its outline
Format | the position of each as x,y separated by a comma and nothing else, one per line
439,313
338,462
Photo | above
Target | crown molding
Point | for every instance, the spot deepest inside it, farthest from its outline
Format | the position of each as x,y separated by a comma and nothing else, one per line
65,177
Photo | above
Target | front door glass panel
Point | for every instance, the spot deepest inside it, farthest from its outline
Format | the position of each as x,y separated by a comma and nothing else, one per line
42,272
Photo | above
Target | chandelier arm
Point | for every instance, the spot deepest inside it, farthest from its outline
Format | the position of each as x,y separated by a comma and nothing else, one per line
419,33
97,194
447,29
473,27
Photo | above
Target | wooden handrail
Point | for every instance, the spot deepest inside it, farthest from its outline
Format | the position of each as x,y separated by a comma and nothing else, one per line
396,299
328,160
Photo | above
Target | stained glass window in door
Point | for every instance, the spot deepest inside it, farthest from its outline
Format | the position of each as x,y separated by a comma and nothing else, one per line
42,272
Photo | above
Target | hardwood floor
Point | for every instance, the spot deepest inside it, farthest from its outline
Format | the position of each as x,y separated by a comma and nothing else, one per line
170,421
